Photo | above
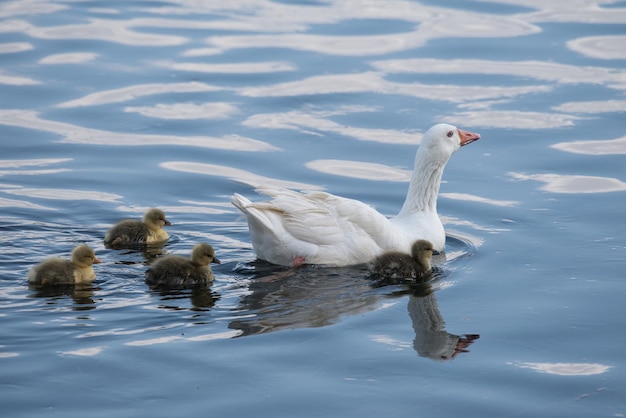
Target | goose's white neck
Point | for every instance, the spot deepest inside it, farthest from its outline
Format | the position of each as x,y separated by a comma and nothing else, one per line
424,185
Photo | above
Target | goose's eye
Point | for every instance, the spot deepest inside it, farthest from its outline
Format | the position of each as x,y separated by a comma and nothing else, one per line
450,133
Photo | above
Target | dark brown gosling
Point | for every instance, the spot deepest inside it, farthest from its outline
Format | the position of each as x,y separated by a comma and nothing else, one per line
57,271
397,265
177,271
131,232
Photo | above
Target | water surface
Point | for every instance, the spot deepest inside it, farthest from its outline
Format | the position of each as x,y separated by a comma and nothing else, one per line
108,109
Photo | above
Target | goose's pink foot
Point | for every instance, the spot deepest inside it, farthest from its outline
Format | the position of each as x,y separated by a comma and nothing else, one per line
298,261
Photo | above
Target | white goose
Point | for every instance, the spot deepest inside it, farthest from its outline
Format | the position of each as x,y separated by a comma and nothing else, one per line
320,228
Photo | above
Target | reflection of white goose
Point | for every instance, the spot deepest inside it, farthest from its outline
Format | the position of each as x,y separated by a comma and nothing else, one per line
431,338
320,228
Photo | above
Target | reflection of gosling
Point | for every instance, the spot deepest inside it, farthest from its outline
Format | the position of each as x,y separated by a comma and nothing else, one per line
397,265
174,270
132,232
56,271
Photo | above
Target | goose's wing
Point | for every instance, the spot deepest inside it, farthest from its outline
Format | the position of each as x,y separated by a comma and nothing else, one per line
315,223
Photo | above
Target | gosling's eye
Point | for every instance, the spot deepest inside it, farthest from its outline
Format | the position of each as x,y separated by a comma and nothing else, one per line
450,133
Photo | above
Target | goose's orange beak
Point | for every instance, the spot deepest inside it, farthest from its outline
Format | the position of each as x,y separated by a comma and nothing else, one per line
467,137
96,260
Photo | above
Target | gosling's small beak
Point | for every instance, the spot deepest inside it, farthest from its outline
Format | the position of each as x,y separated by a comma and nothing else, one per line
167,223
96,260
216,260
467,137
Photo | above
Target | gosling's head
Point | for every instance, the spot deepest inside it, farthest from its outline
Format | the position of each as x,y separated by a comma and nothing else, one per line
422,252
203,254
155,219
84,256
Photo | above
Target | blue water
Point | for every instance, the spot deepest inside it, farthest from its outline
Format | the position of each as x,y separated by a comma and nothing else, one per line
107,109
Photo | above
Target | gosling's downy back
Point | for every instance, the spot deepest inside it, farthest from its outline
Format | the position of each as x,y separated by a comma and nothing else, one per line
398,265
131,232
57,271
177,271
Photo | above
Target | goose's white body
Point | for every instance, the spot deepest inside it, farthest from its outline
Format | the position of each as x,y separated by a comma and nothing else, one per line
321,228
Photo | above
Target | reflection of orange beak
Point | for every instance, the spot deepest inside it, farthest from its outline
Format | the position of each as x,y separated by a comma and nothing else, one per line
467,137
96,260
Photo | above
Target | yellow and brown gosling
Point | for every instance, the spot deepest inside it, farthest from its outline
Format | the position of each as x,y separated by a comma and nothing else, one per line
398,265
57,271
177,271
131,232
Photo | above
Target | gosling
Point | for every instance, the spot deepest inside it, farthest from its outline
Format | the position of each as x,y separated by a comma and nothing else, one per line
131,232
177,271
397,265
57,271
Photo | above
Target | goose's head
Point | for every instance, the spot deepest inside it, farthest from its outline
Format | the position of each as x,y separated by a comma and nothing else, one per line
203,254
155,219
443,140
422,251
83,256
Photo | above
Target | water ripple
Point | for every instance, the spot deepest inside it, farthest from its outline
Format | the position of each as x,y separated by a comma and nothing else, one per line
75,134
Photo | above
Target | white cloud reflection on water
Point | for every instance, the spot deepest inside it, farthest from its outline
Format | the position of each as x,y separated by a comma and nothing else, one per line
64,194
125,94
33,172
360,170
32,162
594,147
83,352
75,134
373,82
602,47
431,23
108,30
540,70
291,20
13,203
566,369
33,7
172,338
18,167
560,183
593,106
228,68
236,174
194,207
268,16
186,110
16,80
312,122
12,47
578,11
69,58
511,119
